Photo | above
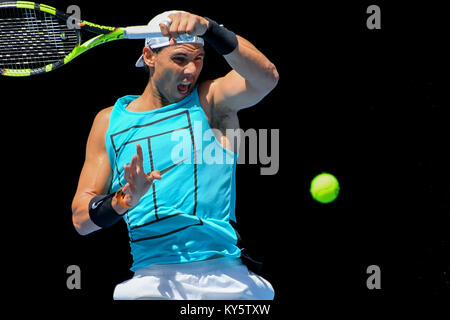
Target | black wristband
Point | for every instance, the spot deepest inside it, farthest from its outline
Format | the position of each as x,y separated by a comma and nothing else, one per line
101,211
220,38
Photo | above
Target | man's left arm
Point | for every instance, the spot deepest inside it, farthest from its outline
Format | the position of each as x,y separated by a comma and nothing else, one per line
252,78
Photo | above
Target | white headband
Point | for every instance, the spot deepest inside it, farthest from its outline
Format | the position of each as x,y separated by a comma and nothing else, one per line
158,42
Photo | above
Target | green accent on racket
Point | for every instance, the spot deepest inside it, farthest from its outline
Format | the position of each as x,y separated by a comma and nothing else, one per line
37,38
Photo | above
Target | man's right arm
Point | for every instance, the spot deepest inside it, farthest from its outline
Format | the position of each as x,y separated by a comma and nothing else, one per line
95,177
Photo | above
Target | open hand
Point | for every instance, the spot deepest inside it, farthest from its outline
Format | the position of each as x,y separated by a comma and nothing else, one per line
138,182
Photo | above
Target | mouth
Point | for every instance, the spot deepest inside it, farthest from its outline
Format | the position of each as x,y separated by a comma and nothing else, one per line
184,87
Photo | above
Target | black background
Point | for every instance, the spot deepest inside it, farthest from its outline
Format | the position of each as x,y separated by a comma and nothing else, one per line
369,106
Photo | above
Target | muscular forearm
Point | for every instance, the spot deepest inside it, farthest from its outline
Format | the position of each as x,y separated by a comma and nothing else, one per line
252,65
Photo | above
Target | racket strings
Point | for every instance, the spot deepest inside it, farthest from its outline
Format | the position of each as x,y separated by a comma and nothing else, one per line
31,39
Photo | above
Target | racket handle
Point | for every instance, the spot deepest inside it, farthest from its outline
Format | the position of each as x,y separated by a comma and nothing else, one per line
140,32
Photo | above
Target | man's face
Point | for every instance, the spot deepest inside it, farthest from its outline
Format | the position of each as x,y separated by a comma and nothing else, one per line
176,70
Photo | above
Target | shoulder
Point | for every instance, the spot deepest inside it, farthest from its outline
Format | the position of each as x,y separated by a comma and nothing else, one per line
206,94
102,118
100,125
104,114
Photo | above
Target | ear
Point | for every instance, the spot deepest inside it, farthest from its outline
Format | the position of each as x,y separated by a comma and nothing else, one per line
149,57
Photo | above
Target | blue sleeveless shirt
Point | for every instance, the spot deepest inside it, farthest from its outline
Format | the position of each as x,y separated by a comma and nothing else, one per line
186,215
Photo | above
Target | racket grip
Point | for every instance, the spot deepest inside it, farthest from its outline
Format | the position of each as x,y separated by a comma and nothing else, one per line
140,32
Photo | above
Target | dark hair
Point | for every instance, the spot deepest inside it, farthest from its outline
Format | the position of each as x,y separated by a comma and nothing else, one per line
157,50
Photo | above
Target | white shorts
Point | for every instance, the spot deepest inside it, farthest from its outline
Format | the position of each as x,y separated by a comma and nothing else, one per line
216,279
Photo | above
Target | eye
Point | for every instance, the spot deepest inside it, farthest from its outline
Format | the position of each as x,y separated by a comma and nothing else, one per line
179,59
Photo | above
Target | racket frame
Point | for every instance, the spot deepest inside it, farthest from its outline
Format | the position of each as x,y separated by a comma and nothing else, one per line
105,34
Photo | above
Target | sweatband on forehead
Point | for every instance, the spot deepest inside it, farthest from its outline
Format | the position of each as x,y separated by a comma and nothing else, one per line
162,41
158,42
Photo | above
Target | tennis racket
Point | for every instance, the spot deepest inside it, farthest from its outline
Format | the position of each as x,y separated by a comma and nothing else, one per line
36,38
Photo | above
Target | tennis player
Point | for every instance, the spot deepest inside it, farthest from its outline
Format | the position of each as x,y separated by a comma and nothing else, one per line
145,163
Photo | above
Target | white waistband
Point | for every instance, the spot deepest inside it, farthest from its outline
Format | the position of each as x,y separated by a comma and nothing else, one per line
189,267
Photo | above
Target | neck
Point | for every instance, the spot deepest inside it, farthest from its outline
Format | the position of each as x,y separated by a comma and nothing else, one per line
150,99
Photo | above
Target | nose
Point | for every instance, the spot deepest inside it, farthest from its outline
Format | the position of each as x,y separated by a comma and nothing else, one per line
190,69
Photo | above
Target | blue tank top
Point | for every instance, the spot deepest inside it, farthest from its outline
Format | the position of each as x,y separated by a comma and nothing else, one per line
185,216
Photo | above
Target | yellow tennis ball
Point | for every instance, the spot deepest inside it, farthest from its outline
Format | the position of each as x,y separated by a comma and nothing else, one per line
324,188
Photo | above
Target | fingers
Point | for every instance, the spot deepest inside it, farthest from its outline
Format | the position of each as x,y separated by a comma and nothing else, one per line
173,28
182,26
126,188
136,165
155,175
140,158
133,167
164,30
182,22
127,173
190,25
131,172
130,186
134,171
